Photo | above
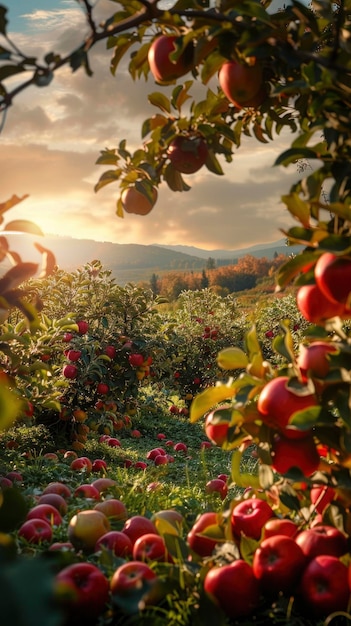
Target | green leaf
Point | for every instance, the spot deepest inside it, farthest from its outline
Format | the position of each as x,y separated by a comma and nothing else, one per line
213,164
207,399
298,208
10,406
289,270
294,154
159,100
232,358
306,419
174,179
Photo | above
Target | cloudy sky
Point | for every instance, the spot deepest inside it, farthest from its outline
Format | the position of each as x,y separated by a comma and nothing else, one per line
53,136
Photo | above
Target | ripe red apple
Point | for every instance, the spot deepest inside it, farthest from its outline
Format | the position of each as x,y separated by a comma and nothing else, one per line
135,433
102,389
187,153
110,351
324,586
216,485
150,547
316,307
161,459
154,452
70,371
180,447
322,539
82,590
234,588
141,465
300,453
249,517
133,201
82,463
162,67
87,491
115,541
138,525
170,519
333,277
99,465
205,534
83,327
313,359
239,82
55,500
130,577
104,484
278,564
113,508
35,531
277,403
135,359
113,442
74,355
46,512
279,526
86,527
217,424
60,488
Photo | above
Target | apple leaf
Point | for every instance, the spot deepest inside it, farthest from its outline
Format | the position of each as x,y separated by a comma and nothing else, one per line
306,419
10,406
5,206
160,100
232,358
298,208
205,400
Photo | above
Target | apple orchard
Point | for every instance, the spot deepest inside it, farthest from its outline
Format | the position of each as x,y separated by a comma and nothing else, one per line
86,535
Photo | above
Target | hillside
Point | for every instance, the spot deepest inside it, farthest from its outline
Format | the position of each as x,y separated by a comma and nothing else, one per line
134,262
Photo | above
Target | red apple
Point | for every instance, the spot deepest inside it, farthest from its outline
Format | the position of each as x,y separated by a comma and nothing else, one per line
249,517
313,359
180,447
300,453
82,590
239,82
46,512
110,351
104,483
163,68
152,454
99,465
324,587
205,534
82,463
60,488
138,525
70,371
114,509
280,526
234,588
216,485
316,307
86,527
278,564
74,355
135,359
102,389
83,327
87,491
35,531
134,201
333,277
187,153
322,539
115,541
130,577
217,424
150,547
321,496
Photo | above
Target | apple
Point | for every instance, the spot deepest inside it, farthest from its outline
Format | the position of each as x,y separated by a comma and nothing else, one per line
161,459
322,539
321,496
187,153
113,442
134,201
55,500
61,545
99,465
160,436
278,402
241,83
60,488
168,520
87,491
83,327
150,547
278,563
15,476
140,465
279,526
104,483
35,531
174,409
205,534
102,389
316,307
138,525
163,68
70,371
205,445
154,452
324,587
86,527
74,355
217,485
113,508
46,512
130,577
217,424
82,463
135,433
110,351
82,590
333,276
233,588
300,453
135,359
80,415
115,541
67,337
180,447
249,517
313,359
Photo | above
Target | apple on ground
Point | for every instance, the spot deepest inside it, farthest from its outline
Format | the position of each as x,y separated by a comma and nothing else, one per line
86,527
205,534
82,590
114,509
278,563
324,587
82,463
138,525
99,465
35,531
216,485
60,488
279,526
104,483
150,547
46,512
233,588
180,447
131,577
87,491
249,517
322,539
115,541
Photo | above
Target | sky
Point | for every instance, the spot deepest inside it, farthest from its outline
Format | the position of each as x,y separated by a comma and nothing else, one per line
53,136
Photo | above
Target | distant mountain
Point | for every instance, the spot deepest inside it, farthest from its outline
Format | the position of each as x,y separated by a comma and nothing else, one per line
134,262
267,250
